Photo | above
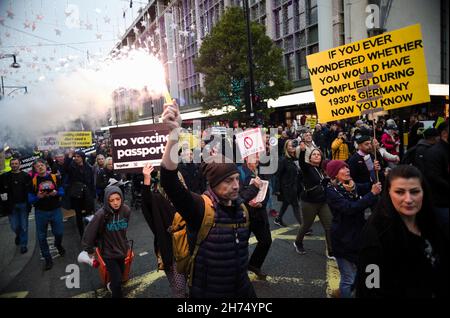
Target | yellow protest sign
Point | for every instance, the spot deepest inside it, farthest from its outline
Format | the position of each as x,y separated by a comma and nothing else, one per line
190,140
311,122
71,139
384,72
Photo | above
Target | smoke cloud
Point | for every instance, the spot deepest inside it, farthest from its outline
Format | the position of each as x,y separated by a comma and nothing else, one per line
85,95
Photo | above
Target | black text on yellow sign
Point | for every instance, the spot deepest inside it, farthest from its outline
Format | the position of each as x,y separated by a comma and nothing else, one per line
72,139
387,71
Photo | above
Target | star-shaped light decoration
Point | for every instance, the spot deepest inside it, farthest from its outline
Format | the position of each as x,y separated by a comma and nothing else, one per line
99,36
143,23
68,12
174,26
136,30
2,21
33,26
192,34
89,26
192,27
107,19
35,58
39,17
26,24
10,14
157,31
57,31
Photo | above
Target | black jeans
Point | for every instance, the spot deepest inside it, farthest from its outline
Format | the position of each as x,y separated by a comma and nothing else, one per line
295,210
260,227
115,269
79,205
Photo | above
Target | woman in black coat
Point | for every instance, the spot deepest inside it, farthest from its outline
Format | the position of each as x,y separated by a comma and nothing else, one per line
103,178
348,209
403,253
288,183
313,198
159,213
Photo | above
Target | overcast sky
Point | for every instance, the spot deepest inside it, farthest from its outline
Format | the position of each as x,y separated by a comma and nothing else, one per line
53,36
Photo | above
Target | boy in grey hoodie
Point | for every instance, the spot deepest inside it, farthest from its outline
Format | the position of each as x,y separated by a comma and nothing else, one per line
108,231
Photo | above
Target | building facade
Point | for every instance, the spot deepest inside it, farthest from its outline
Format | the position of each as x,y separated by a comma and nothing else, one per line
174,30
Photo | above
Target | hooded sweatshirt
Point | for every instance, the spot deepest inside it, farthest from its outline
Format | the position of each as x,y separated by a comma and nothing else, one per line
108,229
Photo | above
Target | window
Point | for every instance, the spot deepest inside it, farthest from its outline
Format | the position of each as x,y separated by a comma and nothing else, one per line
278,23
303,69
289,43
290,67
289,27
313,49
312,12
313,35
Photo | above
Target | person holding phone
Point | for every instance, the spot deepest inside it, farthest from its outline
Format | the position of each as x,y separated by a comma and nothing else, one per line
347,208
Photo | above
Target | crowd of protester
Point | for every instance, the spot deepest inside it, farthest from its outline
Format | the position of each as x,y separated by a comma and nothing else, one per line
378,205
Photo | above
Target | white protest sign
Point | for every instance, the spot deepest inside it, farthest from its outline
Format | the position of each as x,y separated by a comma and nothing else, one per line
250,142
49,142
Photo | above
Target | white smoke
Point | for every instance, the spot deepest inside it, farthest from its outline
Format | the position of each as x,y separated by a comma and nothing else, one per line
86,94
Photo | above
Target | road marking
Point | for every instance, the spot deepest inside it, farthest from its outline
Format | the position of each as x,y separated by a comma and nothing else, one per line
275,233
333,277
138,284
21,294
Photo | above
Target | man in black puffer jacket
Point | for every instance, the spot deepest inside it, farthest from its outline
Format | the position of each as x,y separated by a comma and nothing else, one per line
220,267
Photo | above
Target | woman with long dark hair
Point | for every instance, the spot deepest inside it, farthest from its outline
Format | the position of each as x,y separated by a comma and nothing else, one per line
314,202
288,183
403,254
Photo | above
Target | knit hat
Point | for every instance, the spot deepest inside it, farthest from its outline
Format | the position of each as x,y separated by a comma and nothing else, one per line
334,166
361,138
217,169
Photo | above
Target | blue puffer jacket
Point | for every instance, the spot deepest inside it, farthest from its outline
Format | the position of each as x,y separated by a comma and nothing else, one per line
221,263
348,219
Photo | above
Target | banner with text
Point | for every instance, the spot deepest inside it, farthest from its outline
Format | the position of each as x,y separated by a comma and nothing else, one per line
134,146
49,142
74,139
383,72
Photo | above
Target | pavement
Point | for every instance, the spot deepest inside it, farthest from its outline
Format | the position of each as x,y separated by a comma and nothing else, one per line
11,261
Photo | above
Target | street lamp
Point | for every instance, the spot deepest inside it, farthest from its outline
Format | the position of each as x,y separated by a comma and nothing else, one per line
14,64
153,114
249,57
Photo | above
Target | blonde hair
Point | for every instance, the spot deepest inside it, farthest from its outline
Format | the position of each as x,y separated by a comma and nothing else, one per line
108,161
286,152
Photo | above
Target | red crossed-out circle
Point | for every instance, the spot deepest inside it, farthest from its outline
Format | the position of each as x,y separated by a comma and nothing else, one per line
248,142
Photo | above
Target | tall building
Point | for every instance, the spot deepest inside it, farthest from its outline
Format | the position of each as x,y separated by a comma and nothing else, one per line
174,30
